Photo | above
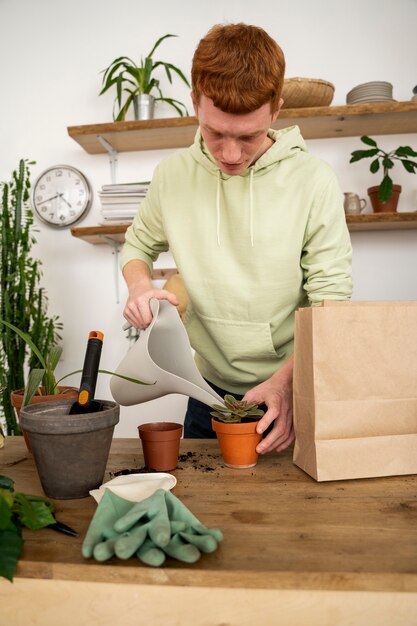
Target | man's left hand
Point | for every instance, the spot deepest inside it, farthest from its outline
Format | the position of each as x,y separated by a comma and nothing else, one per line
276,393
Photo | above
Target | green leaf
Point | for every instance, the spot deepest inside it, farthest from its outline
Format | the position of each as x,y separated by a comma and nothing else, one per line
158,43
362,154
34,380
387,163
53,357
410,166
5,510
385,189
6,483
405,151
27,339
368,141
374,167
10,550
33,512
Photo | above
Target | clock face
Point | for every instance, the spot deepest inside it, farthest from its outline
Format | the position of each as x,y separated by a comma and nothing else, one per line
61,196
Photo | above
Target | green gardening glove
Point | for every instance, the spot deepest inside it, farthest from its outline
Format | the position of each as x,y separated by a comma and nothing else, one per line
189,537
147,519
100,538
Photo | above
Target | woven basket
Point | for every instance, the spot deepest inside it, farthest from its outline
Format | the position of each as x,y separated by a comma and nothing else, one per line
306,92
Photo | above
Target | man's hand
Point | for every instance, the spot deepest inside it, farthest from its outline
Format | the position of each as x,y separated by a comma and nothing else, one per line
137,310
276,393
141,291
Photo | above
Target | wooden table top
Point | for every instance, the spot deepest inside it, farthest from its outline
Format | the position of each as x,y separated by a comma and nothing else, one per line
282,530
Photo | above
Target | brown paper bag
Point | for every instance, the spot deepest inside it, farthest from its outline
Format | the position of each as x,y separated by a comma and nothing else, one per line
355,389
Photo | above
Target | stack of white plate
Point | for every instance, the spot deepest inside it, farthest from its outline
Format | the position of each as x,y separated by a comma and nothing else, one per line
376,91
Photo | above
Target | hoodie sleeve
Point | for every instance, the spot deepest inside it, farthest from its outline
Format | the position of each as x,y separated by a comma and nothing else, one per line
326,258
145,238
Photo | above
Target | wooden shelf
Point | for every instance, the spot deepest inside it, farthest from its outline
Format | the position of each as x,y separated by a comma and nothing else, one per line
373,221
101,234
371,118
382,221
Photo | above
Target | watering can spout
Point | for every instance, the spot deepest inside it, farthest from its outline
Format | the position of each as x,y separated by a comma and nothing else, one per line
162,357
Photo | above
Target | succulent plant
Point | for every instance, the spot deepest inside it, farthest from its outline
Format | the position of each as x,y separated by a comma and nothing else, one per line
236,411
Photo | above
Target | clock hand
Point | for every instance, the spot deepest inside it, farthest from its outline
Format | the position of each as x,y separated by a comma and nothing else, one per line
61,195
51,198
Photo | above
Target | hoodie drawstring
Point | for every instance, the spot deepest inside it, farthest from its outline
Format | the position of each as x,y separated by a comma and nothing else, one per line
250,206
218,206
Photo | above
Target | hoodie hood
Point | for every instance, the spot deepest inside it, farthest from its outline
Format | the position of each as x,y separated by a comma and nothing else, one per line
288,142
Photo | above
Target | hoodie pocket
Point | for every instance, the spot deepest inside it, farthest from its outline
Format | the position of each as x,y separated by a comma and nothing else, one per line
240,344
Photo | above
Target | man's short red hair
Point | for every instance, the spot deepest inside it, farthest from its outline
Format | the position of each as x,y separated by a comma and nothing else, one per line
239,67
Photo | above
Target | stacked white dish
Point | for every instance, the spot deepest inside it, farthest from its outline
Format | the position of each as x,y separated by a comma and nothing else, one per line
376,91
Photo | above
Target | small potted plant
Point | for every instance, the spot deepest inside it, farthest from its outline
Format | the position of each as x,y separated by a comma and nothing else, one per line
235,427
136,83
384,197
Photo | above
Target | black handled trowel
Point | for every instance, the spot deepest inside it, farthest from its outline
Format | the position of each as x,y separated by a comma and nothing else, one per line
86,402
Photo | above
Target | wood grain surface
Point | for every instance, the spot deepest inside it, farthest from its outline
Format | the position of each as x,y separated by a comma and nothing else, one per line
281,529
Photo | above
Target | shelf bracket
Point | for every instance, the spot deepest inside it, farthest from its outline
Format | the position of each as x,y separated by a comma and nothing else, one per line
113,156
116,250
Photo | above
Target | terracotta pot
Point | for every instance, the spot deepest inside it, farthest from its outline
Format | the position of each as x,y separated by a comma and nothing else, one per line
16,397
70,451
390,206
160,444
237,443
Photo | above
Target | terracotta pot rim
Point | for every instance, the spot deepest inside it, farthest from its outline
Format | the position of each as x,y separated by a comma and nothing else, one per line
240,428
63,390
160,431
376,188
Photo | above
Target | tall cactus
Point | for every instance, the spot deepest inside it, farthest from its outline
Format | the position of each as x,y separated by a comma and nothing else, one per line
22,301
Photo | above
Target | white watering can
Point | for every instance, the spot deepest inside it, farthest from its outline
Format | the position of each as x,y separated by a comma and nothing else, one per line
161,356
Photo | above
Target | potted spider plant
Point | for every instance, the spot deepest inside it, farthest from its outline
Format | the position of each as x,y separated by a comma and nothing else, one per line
384,197
235,428
42,385
137,83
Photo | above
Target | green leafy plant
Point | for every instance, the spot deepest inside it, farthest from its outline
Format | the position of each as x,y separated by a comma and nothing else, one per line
130,79
23,302
42,381
18,510
385,161
236,411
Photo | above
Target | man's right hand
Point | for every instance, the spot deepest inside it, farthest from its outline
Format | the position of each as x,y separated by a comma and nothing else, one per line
137,310
141,291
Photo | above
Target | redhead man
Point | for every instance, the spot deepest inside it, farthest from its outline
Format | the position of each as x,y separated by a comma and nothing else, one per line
255,225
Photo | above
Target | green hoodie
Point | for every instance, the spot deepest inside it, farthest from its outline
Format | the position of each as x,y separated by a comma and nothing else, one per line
251,249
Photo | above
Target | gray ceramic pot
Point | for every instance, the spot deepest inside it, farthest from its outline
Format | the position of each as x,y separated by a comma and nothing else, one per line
70,451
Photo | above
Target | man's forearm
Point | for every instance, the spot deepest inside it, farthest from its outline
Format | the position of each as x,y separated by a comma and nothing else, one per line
137,276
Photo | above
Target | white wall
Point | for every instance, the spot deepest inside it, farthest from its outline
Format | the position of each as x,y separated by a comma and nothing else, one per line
51,55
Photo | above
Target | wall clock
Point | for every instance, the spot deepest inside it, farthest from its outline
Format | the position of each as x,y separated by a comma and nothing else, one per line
61,196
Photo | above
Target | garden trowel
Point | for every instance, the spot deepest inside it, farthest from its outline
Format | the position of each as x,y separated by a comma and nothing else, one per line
86,402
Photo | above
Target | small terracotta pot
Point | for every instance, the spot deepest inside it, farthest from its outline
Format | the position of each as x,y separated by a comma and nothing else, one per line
160,444
237,443
390,206
16,397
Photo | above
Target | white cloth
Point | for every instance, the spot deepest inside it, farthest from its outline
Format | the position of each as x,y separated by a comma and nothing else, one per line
136,487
